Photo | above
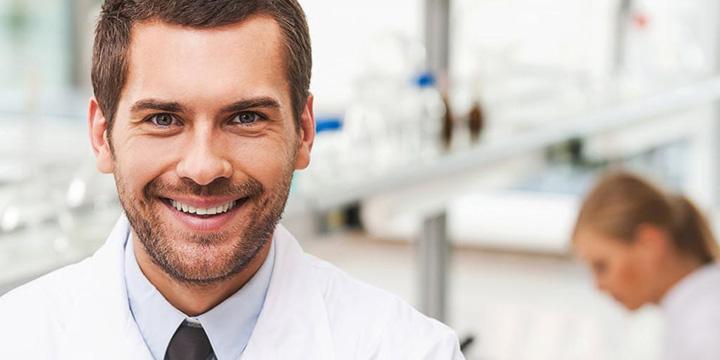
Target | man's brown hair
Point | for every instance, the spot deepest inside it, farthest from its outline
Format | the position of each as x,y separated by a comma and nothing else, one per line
112,39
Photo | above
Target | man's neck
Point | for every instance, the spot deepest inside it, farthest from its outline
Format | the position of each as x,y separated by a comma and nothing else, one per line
191,299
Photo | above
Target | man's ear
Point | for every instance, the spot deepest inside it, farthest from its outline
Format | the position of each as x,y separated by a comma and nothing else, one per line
98,128
307,135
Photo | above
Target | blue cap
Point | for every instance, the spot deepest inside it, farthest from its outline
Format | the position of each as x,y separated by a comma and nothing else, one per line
425,79
327,124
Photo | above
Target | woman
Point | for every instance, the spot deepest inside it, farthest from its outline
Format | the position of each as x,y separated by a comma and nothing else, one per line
645,246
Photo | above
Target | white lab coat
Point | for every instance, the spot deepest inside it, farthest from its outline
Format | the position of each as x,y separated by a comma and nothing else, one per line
692,316
312,311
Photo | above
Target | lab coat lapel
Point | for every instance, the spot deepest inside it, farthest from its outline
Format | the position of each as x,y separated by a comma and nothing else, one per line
294,322
107,319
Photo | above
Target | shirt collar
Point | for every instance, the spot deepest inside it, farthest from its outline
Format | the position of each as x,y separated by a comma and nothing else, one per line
228,325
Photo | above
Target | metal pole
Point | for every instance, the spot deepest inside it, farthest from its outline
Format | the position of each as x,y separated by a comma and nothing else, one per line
437,38
78,42
433,255
622,17
713,132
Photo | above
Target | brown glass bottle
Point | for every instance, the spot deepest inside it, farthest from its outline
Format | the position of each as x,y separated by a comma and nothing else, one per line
476,121
448,123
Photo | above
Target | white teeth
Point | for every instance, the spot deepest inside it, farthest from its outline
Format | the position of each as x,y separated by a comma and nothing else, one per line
202,211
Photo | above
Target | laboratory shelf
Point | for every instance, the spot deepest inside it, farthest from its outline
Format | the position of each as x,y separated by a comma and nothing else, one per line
596,119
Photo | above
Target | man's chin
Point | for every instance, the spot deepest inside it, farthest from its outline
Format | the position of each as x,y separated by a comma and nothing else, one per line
198,259
203,259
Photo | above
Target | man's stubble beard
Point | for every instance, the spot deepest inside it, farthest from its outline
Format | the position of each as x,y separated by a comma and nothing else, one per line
203,265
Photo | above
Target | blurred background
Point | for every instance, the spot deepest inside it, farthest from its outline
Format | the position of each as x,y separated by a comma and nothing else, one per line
456,139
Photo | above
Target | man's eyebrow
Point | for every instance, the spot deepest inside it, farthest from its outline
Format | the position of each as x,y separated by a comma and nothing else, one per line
260,102
154,104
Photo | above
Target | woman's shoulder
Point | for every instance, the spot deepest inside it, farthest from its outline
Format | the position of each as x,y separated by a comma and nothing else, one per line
695,299
693,316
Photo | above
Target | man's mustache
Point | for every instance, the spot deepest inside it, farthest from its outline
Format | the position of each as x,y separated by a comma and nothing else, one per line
221,187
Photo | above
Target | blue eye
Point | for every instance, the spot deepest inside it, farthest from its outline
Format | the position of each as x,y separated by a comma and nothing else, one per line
162,120
246,118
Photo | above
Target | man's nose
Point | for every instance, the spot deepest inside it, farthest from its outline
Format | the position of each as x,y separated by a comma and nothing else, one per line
204,160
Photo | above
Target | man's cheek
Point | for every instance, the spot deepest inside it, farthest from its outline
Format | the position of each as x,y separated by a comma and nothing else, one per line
151,162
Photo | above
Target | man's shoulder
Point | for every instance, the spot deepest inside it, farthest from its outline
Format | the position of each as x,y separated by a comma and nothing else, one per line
49,290
378,316
340,288
35,312
72,283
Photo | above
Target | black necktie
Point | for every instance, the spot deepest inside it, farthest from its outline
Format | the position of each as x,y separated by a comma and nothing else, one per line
189,343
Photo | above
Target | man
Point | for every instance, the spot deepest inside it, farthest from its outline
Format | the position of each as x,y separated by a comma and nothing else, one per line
202,113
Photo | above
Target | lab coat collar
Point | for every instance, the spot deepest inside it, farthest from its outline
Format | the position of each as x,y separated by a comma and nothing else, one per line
117,333
294,321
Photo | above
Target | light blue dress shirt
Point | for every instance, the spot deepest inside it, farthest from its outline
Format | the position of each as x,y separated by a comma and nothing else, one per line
228,325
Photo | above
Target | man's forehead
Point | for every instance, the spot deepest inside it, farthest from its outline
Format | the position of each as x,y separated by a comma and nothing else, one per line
252,25
245,59
258,35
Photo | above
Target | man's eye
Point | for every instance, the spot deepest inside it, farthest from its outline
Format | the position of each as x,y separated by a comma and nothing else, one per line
162,120
246,118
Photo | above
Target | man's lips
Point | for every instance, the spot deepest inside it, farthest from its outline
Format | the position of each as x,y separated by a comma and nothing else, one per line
204,202
213,209
211,218
203,207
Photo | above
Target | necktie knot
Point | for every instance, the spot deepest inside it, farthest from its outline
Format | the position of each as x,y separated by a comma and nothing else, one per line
190,342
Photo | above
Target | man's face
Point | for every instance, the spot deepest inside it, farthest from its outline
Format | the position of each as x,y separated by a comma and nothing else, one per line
204,144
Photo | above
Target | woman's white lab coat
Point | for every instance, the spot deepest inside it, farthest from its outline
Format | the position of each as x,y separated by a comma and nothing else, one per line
312,311
692,316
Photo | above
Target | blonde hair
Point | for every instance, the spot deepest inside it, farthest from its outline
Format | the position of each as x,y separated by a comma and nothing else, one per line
620,202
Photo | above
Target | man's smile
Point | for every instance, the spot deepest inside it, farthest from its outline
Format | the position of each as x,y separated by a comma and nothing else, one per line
204,214
212,210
